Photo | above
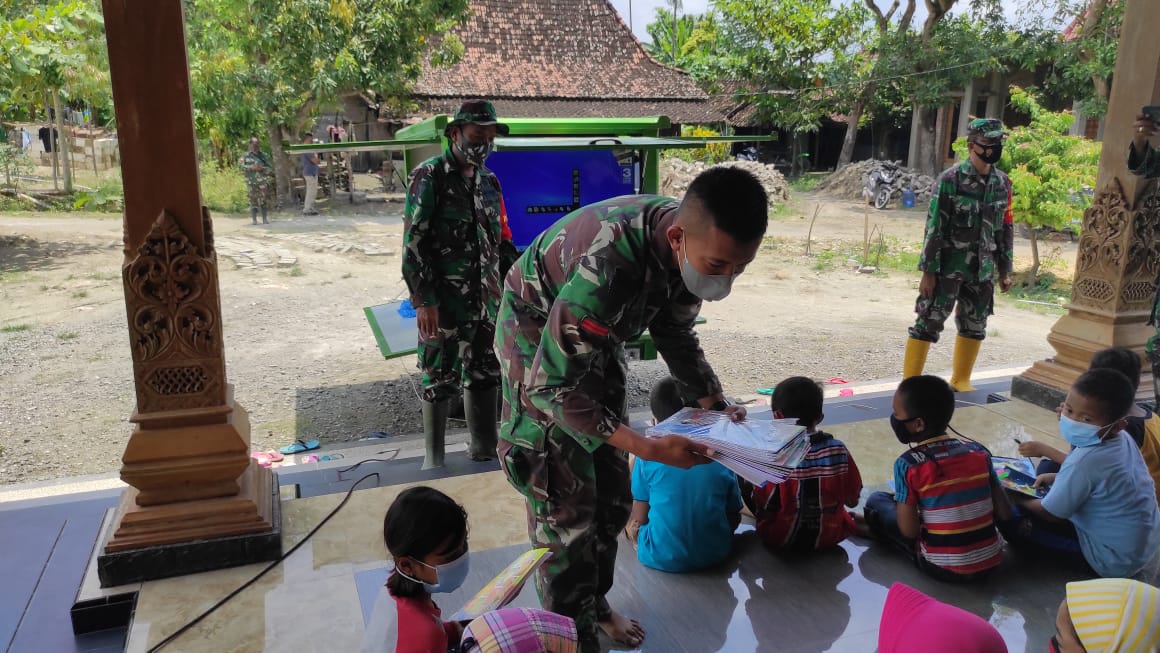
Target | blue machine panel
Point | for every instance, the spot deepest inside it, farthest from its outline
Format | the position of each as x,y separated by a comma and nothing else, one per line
540,187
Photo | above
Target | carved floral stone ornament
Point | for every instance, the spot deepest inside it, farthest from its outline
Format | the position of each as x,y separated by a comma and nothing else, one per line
1119,254
171,291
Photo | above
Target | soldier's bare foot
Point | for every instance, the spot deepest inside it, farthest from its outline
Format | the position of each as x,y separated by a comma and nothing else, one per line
622,630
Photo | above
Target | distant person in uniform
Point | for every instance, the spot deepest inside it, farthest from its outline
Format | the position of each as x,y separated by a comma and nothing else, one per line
257,169
970,237
453,232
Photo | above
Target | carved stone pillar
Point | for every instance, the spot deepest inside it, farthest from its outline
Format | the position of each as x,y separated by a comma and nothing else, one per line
1119,248
196,501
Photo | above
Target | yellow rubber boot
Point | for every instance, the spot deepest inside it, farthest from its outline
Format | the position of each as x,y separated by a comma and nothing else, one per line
915,359
966,351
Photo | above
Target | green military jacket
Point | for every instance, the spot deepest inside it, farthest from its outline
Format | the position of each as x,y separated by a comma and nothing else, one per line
597,278
969,226
256,177
453,230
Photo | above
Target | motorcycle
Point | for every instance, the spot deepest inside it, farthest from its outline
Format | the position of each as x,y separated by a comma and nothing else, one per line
878,188
747,154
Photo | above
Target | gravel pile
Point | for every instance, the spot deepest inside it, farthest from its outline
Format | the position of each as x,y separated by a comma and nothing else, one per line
848,182
676,175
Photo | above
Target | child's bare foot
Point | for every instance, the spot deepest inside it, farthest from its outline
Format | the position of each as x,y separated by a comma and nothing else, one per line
622,630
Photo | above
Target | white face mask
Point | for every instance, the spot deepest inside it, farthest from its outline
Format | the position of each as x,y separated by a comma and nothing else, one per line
709,287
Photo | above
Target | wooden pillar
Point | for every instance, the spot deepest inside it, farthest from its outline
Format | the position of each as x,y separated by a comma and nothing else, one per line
1119,247
966,108
187,461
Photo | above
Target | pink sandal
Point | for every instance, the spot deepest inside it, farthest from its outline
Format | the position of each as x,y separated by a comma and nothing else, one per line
266,458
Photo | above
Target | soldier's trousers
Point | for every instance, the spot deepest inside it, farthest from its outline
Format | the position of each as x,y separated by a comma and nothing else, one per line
463,353
972,302
259,195
578,503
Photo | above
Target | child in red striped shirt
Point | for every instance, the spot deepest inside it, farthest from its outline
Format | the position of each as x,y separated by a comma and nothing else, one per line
808,511
947,498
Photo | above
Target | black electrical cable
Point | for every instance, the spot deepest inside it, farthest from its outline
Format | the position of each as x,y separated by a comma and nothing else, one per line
181,631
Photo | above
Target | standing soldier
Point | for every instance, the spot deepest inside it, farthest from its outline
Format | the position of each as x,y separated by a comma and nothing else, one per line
451,262
969,235
1143,159
257,169
593,281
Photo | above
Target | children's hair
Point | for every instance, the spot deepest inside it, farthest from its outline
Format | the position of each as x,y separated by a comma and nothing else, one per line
1123,360
665,399
932,399
800,398
1109,388
419,522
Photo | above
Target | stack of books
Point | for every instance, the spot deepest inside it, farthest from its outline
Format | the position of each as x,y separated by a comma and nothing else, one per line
758,450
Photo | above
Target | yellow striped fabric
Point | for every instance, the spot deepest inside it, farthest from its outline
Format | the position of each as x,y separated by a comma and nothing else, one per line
1114,615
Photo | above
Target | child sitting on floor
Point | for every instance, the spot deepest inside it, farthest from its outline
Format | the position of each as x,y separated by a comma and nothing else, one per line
682,519
808,511
426,534
1102,503
1141,424
947,497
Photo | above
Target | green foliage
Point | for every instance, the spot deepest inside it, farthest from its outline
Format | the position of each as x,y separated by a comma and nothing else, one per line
13,162
786,46
15,328
53,45
711,154
1049,169
806,183
108,196
273,63
1079,68
223,189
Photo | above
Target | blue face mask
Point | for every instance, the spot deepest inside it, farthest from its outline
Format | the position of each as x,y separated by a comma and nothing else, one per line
1079,434
449,576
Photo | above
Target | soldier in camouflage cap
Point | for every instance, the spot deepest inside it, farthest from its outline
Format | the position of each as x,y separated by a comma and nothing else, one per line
969,237
257,168
596,279
1144,160
454,226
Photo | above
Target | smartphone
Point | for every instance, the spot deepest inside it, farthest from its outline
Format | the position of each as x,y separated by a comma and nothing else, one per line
1153,113
1019,477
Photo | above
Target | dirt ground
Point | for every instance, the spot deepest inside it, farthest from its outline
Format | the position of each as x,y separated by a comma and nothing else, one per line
305,364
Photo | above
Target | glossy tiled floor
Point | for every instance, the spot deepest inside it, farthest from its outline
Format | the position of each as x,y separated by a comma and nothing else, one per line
317,599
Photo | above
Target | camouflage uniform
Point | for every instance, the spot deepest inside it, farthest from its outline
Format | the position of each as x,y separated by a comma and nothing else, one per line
1148,165
257,182
969,234
597,278
453,230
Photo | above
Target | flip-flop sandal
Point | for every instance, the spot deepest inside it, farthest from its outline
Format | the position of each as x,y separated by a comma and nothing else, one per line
332,456
299,446
266,458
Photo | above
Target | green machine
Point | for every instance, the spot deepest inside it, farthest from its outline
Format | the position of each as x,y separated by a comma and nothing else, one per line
548,167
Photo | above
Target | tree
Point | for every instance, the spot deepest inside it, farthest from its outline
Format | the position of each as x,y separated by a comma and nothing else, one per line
1050,171
669,35
54,50
783,48
884,38
290,58
1080,60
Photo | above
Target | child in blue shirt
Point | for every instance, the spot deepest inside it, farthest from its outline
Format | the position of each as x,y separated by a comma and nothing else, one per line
682,519
1103,492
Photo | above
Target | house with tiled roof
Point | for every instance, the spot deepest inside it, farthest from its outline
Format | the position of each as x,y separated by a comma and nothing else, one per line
559,58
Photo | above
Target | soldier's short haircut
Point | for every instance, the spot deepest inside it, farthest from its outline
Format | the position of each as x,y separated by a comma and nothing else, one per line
735,200
932,399
1123,360
1108,388
800,398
